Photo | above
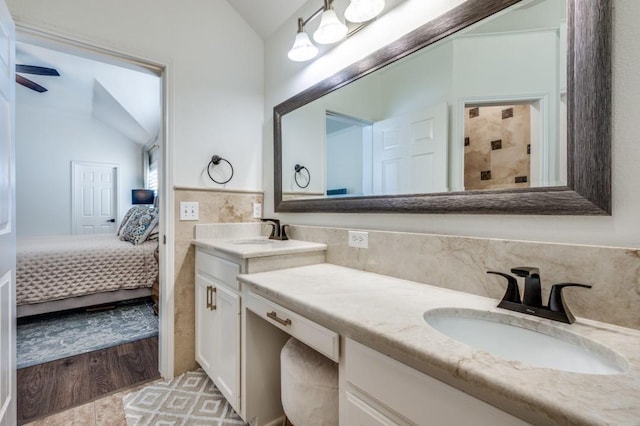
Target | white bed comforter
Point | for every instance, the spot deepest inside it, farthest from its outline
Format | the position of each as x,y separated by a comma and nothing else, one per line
58,267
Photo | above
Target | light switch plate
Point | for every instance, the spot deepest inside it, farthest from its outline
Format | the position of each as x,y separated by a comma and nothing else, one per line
359,239
189,210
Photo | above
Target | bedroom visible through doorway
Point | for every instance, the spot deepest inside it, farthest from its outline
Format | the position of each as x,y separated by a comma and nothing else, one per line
100,111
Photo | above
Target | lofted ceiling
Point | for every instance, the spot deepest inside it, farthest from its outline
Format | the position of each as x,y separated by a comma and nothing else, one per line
124,99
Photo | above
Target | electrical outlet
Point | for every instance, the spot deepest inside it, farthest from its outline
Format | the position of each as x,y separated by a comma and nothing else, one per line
189,210
257,210
359,239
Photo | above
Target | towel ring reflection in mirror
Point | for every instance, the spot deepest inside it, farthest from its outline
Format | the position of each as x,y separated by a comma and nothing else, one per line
298,171
216,160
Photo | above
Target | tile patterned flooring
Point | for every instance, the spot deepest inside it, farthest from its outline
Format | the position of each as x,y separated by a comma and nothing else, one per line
106,411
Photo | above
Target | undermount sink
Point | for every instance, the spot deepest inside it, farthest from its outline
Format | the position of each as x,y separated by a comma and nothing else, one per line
254,241
532,343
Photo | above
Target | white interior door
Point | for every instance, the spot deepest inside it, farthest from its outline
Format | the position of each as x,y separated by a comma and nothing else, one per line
7,224
410,152
94,189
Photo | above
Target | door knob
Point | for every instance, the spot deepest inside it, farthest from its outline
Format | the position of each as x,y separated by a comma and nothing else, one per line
111,220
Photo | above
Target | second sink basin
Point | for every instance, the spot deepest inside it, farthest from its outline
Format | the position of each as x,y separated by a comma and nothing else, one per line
519,339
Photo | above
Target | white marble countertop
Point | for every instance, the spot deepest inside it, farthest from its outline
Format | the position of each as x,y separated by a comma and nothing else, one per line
387,314
250,247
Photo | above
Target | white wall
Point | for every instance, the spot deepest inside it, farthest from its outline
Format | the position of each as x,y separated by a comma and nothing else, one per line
481,74
423,81
284,78
47,140
304,139
304,130
216,72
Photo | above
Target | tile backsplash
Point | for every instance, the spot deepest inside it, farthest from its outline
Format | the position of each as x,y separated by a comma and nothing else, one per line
460,263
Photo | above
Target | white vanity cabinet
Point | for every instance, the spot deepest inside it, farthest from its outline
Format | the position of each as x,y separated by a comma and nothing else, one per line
217,309
224,347
382,391
375,389
395,369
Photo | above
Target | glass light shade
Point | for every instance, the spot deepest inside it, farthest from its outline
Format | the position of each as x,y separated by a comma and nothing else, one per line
363,10
331,29
302,49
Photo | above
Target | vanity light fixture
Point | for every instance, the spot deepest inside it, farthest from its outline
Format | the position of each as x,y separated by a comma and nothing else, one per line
331,29
302,49
363,10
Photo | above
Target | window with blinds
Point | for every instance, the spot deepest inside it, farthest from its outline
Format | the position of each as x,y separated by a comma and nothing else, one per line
153,162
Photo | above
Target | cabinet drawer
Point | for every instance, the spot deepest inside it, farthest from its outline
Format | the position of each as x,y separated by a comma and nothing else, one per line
219,269
316,336
414,395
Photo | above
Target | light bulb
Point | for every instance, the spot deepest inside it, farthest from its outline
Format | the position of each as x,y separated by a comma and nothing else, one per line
363,10
331,29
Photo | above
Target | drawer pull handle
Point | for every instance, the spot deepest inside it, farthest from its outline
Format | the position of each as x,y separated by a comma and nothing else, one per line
274,317
210,291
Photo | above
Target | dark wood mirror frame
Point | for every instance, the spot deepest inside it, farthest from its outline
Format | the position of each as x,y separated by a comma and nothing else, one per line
588,190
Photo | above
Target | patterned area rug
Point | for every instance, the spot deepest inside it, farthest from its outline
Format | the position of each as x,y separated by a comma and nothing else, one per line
190,399
45,339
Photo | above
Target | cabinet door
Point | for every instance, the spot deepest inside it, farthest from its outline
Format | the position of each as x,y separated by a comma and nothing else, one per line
409,394
359,413
227,376
205,324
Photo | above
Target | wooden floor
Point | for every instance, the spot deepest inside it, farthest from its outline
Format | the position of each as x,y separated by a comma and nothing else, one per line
54,386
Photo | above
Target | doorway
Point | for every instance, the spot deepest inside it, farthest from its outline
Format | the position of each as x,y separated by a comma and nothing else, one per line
106,92
348,152
503,145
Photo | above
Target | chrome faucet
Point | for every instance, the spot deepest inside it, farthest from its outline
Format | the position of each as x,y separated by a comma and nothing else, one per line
531,303
277,232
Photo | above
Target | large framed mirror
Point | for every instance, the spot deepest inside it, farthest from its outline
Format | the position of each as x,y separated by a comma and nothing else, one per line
495,107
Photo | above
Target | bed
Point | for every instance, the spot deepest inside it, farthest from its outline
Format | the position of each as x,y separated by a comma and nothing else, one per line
62,272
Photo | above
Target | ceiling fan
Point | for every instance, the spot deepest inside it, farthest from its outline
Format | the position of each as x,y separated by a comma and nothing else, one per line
32,69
